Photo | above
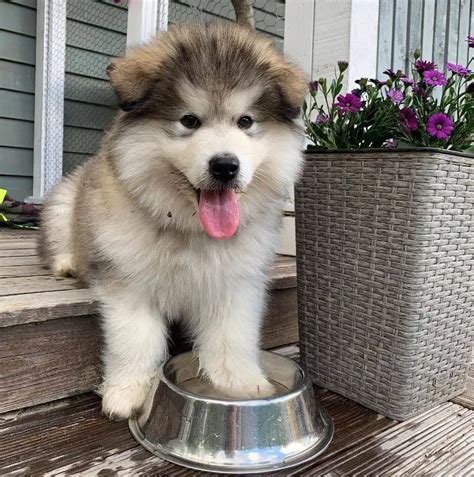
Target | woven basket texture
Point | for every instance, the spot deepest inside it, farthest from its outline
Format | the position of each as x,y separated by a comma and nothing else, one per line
385,257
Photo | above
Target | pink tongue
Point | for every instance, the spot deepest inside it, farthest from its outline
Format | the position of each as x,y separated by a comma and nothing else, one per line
219,213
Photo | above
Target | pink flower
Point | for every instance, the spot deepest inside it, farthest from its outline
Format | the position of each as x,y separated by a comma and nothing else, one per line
408,119
391,143
395,95
348,103
457,69
434,78
440,126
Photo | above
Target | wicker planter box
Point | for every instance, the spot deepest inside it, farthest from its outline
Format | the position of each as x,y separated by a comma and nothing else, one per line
385,256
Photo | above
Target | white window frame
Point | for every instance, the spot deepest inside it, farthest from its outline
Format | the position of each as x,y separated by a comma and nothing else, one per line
49,97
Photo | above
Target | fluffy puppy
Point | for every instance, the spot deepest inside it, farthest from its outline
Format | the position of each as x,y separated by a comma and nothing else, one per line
178,216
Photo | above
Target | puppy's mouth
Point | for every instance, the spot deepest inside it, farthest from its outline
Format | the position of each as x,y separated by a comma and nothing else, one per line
219,212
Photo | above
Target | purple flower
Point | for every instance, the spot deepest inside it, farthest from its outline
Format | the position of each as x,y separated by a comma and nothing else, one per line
440,126
421,66
470,41
407,81
434,78
391,143
457,69
390,73
408,119
470,88
321,118
313,86
377,82
357,92
420,91
348,103
395,95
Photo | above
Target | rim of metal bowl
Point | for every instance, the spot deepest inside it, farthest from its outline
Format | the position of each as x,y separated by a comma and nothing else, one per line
303,457
305,382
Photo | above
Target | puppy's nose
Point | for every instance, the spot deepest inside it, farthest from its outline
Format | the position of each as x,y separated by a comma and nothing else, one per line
224,167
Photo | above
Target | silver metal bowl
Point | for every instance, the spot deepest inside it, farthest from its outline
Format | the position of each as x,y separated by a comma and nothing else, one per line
184,421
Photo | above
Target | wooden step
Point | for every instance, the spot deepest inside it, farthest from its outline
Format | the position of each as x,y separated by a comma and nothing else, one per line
70,437
50,339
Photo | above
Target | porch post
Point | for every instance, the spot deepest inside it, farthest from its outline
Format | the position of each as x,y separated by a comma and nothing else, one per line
49,97
298,47
142,20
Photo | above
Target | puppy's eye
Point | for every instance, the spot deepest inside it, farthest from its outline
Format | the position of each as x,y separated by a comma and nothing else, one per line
245,122
191,122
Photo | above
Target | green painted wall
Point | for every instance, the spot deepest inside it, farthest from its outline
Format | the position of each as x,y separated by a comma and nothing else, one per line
17,83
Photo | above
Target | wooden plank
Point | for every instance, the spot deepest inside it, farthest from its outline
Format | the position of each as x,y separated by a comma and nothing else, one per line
16,161
439,40
384,55
20,285
19,252
280,326
18,187
8,243
19,48
86,115
71,437
452,32
13,261
408,447
89,90
47,361
415,30
93,38
81,140
28,350
52,305
17,105
17,77
22,271
464,28
400,35
428,29
17,19
15,133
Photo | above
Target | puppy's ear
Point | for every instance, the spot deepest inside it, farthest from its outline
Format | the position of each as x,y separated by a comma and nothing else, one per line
293,86
132,78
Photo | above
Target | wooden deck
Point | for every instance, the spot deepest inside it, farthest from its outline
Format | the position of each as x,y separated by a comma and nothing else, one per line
51,424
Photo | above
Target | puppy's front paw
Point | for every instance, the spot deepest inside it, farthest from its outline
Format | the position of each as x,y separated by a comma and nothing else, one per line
123,401
256,388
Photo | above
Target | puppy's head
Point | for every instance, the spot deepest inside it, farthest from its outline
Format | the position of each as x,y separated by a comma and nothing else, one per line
207,115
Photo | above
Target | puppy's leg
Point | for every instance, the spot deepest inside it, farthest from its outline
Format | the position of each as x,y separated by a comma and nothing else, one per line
135,345
228,343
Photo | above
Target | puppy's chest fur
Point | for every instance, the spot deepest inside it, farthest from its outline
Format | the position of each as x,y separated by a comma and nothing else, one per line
182,272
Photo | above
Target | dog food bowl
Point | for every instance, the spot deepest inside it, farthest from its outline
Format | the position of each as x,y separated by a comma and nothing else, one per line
184,420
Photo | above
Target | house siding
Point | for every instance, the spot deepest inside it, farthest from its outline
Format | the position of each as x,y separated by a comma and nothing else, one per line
17,84
438,27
